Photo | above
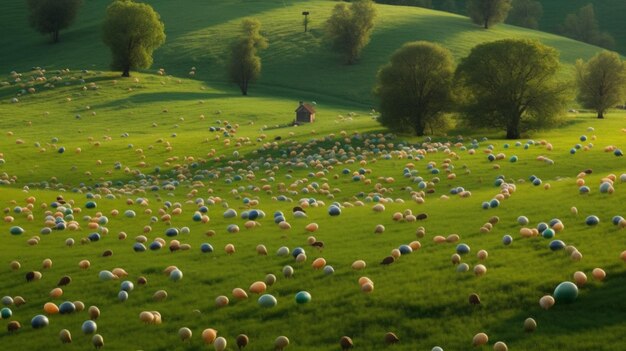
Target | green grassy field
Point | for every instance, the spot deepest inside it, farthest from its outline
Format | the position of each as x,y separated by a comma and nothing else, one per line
150,137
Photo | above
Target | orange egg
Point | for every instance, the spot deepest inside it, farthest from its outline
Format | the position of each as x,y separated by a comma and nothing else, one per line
51,308
318,263
209,335
239,294
258,287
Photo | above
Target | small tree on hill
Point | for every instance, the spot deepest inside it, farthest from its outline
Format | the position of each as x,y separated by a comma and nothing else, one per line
51,16
601,82
525,13
511,83
488,12
132,31
583,26
245,64
348,28
415,86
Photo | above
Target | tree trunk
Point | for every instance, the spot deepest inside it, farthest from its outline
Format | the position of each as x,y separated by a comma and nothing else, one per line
601,114
486,23
419,128
512,132
55,36
126,72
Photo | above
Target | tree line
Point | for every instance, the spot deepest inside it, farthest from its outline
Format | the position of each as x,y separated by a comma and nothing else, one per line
511,84
581,25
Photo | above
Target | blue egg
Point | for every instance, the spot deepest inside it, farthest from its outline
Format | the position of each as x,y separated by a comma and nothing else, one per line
203,209
67,307
405,249
94,237
206,248
583,138
39,321
172,232
61,150
90,204
297,251
253,214
139,247
572,151
507,240
15,230
334,211
127,285
498,182
615,220
532,177
494,203
618,153
155,245
122,296
584,189
541,227
537,182
129,214
513,159
604,187
491,158
279,219
267,300
556,245
522,220
592,220
89,327
485,205
328,270
462,249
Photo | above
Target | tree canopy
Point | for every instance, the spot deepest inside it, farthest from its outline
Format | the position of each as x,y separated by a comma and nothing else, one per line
51,16
601,82
488,12
415,86
525,13
511,83
583,26
348,29
132,31
245,64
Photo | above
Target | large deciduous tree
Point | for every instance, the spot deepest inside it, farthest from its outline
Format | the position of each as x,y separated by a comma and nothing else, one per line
132,31
348,29
51,16
415,86
245,64
488,12
601,82
511,84
583,26
525,13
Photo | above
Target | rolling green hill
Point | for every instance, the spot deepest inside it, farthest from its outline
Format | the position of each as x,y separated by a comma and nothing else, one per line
296,64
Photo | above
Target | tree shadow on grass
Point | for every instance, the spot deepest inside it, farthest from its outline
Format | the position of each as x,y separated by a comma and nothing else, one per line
161,97
599,305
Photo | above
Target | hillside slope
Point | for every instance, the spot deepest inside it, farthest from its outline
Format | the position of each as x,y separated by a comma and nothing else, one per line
297,64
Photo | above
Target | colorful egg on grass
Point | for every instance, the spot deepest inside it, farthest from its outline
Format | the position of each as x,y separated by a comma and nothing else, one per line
67,307
598,274
176,275
556,245
462,249
209,335
89,327
592,220
39,321
303,297
530,325
6,313
267,300
546,302
566,292
507,240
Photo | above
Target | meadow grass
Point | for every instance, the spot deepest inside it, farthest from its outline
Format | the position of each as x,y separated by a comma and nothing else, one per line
153,132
